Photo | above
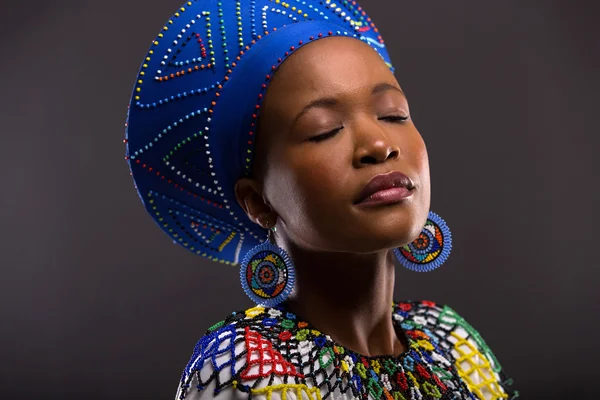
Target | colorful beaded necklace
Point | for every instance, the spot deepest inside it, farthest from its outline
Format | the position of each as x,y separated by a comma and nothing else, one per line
272,350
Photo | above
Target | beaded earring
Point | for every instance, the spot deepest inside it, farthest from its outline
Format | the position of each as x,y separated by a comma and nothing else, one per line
430,250
267,273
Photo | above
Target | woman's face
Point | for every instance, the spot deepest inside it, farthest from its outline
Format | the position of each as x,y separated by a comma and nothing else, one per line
333,117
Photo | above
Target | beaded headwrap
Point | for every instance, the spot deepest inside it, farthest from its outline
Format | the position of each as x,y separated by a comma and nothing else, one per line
192,118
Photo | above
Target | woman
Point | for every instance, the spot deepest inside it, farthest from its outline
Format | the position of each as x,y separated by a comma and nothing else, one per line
266,116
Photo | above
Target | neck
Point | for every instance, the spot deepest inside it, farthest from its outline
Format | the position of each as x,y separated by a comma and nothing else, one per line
348,297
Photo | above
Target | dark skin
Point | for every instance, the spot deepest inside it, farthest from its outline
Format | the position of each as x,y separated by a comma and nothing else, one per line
309,169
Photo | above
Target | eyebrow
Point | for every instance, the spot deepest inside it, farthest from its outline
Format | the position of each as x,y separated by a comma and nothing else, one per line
328,102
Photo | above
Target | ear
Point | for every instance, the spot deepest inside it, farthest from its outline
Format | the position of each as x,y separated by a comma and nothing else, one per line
249,197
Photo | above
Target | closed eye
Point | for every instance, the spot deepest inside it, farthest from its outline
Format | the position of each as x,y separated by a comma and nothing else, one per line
326,135
393,118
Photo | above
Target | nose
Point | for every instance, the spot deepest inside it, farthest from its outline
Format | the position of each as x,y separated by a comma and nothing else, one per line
373,145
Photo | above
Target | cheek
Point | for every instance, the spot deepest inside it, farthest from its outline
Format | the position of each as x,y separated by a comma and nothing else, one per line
420,160
319,176
416,152
309,185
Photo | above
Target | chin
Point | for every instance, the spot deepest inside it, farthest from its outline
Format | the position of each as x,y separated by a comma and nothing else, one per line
394,232
380,237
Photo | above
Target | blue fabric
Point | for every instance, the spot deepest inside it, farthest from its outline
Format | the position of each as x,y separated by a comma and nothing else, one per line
193,112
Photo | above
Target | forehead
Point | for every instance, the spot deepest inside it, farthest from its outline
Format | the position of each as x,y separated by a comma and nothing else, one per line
327,67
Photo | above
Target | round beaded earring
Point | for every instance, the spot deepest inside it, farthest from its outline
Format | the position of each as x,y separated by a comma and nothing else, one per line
430,250
267,273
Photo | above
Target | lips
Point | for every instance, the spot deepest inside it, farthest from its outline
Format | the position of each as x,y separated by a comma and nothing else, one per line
392,186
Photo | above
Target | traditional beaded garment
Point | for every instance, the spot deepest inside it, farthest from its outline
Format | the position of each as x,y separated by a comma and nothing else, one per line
270,353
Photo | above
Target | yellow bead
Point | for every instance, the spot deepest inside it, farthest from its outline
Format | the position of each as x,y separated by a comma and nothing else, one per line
145,66
137,97
140,82
138,90
142,73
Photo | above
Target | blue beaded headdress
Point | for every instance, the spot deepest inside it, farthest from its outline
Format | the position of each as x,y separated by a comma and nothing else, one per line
194,108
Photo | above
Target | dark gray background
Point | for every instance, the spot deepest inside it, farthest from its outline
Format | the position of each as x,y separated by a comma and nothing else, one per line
97,302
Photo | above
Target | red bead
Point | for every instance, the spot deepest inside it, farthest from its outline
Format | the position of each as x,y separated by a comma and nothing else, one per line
285,335
423,372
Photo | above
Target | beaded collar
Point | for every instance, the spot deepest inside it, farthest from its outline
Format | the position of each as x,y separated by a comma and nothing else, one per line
270,350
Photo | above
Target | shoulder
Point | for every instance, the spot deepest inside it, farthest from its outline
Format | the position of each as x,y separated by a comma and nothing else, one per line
463,345
237,358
